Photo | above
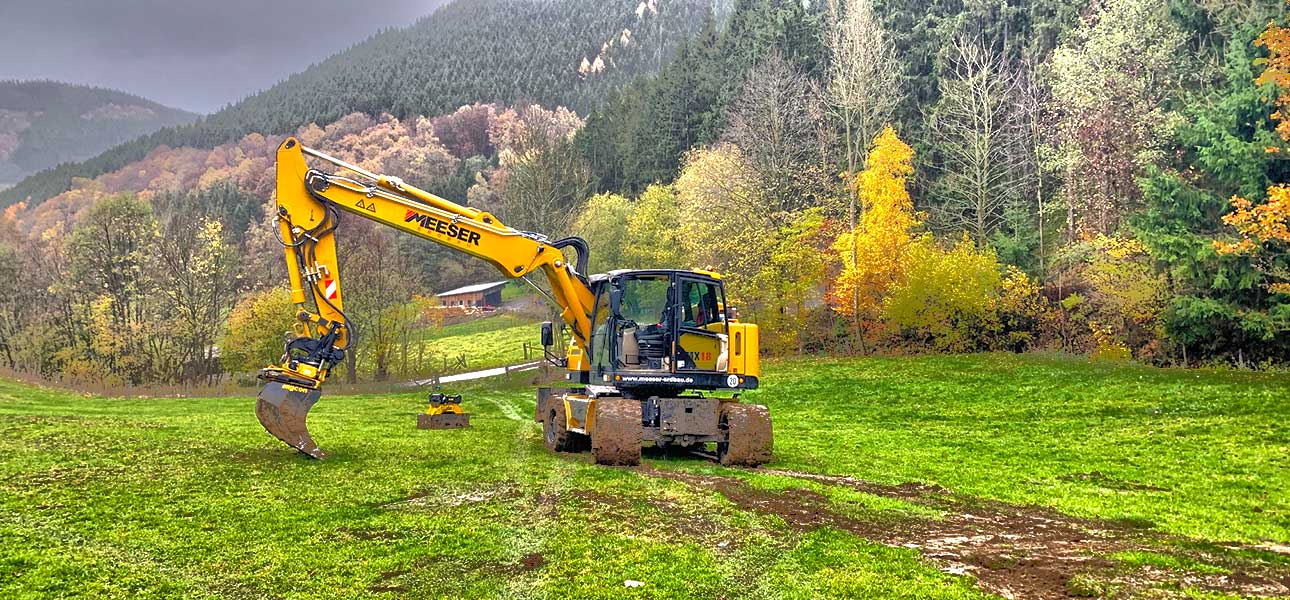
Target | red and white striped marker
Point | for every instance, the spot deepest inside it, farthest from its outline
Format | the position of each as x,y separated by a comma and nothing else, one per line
330,287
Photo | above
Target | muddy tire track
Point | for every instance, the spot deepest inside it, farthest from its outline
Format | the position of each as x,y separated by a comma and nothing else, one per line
1013,551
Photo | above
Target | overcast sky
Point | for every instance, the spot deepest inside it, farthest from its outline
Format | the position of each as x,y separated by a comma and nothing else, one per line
195,55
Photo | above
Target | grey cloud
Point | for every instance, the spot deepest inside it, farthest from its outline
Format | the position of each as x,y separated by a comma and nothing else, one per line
193,55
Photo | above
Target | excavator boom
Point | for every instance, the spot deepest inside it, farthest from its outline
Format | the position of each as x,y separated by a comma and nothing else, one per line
309,206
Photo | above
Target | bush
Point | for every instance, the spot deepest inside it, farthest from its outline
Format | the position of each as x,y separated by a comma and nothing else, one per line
257,329
948,298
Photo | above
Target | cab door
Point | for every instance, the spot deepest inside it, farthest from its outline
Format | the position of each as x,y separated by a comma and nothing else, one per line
701,329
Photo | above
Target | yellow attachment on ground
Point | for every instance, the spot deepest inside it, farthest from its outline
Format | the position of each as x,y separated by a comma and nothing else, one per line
444,409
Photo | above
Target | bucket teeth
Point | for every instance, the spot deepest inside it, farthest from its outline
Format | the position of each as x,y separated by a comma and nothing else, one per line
282,410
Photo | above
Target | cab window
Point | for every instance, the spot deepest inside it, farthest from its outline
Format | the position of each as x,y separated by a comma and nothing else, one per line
699,304
645,300
599,331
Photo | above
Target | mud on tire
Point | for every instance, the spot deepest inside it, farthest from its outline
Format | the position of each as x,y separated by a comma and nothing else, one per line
555,432
749,435
616,436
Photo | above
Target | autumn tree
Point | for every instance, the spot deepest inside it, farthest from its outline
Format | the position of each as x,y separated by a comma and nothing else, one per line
197,268
602,221
1112,77
873,256
257,329
110,255
778,123
863,90
541,177
1264,228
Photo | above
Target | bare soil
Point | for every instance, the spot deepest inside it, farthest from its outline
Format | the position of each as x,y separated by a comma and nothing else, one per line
1013,551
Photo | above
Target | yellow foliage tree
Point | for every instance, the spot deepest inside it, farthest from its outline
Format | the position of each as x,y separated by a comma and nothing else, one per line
947,298
257,329
873,256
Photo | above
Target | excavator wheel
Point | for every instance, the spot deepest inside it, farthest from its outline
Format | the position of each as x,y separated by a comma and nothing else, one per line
748,433
282,410
555,431
616,435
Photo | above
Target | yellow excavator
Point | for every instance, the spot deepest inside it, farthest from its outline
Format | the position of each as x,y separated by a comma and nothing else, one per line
655,355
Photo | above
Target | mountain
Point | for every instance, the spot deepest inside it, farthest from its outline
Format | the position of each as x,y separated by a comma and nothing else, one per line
552,52
45,123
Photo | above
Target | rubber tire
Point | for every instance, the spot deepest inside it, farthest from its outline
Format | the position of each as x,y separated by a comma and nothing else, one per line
749,435
555,433
616,434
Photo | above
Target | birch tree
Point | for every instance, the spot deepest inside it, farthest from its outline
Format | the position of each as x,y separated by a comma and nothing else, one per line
980,136
862,91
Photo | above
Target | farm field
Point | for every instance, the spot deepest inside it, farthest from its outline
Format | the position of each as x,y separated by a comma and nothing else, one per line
491,341
931,477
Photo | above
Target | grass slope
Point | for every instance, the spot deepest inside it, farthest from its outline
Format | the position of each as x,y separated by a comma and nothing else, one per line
190,498
493,341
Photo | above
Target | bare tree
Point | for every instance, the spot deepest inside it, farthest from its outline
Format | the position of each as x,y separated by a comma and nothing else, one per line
863,87
862,90
982,139
1032,107
776,122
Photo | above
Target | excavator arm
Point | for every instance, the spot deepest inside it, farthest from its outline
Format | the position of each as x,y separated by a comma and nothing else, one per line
310,203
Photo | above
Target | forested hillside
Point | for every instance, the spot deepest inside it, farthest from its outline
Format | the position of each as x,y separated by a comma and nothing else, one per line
45,123
553,52
1101,178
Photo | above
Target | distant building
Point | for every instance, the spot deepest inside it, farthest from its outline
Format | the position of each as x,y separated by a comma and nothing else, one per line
480,295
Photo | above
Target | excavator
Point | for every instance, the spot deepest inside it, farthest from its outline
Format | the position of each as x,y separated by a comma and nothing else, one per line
653,355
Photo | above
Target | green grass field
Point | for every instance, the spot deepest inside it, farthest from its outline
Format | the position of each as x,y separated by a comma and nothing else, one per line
492,341
937,477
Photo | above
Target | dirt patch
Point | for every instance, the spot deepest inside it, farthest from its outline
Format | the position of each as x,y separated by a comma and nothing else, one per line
452,569
447,498
1013,551
532,561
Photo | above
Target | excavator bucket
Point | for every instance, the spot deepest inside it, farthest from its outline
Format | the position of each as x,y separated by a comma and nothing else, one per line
282,410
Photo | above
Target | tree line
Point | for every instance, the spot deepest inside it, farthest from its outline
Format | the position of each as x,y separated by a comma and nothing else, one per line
1088,152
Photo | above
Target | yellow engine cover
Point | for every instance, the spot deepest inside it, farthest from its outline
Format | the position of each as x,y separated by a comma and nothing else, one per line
744,349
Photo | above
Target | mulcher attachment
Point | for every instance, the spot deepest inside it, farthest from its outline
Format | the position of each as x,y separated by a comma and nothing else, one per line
282,409
444,412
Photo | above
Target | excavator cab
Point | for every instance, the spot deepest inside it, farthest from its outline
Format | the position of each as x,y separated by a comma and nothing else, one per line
663,331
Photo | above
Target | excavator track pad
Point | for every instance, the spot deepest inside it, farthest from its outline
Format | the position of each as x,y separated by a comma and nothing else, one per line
282,410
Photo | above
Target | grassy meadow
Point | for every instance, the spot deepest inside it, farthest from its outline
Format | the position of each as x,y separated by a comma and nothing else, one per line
937,477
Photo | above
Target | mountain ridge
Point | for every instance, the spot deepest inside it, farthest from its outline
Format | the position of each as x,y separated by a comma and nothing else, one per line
466,51
44,123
